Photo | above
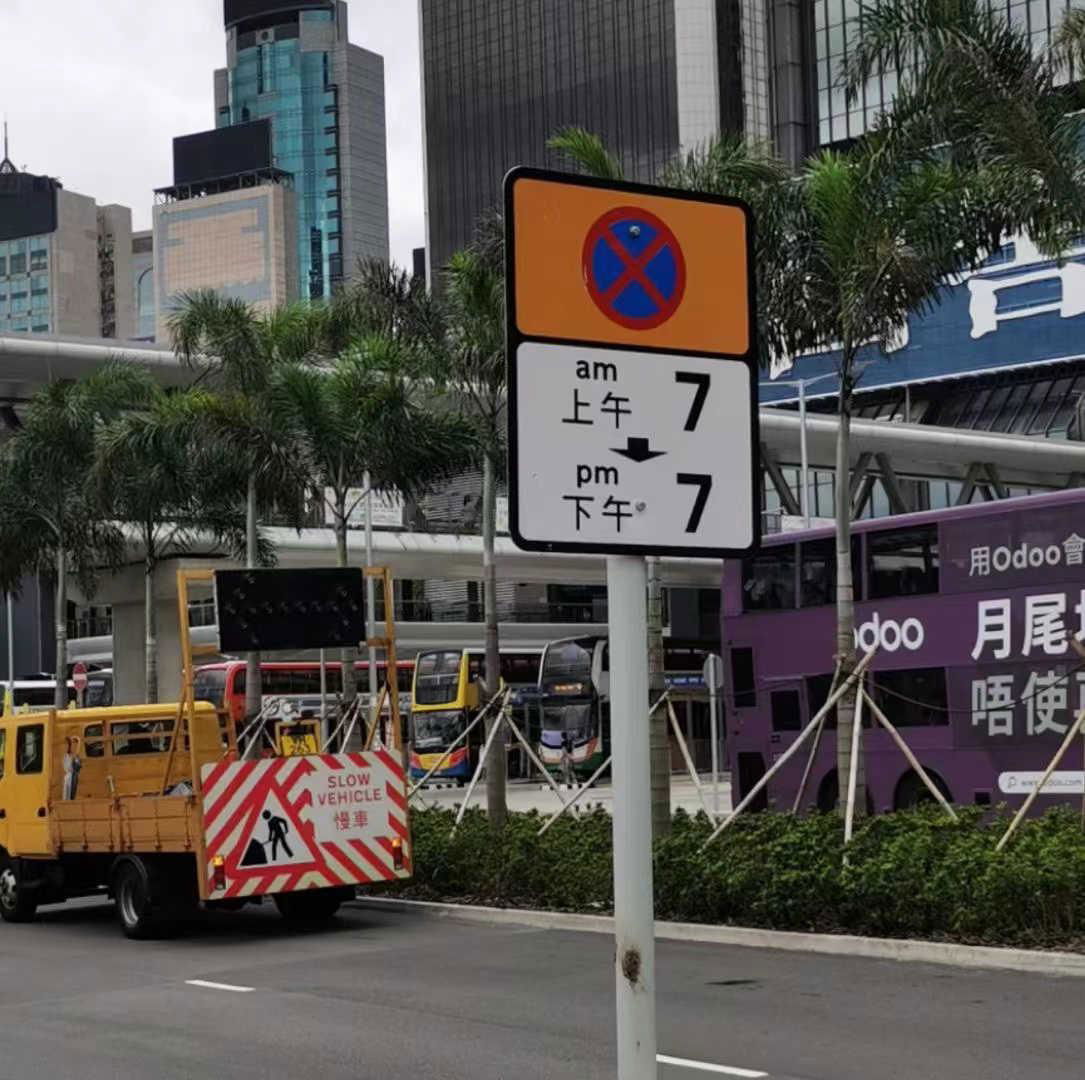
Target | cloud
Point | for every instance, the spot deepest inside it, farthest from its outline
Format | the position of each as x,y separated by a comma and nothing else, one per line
95,93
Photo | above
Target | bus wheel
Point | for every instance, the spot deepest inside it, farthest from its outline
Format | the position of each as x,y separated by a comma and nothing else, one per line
18,903
136,908
912,792
829,795
828,792
311,906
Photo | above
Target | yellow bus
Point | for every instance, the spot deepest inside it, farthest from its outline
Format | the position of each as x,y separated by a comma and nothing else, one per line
446,698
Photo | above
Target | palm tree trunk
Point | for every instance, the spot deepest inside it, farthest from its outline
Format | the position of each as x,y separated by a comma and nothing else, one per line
497,765
845,602
253,690
60,617
347,655
150,622
658,736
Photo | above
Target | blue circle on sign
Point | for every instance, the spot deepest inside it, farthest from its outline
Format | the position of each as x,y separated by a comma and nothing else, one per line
634,268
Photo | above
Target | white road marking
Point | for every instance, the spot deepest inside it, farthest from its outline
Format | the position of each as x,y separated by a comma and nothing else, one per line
245,990
704,1066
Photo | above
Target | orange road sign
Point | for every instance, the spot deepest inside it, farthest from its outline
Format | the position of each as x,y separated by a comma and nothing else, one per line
625,267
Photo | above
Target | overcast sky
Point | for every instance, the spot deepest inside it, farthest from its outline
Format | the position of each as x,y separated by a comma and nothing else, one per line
94,92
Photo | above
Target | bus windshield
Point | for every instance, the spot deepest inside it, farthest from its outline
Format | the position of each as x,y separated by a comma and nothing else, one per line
567,661
437,730
437,678
572,716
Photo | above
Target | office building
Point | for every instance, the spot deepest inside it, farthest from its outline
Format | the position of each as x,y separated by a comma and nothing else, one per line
291,63
834,24
228,223
651,77
61,256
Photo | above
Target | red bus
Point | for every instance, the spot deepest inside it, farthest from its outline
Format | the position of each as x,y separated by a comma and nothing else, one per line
223,684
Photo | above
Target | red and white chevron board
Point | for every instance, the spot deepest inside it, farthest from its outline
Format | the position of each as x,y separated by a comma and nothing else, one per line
291,823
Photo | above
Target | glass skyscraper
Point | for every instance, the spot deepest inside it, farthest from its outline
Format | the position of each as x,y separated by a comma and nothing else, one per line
837,24
291,63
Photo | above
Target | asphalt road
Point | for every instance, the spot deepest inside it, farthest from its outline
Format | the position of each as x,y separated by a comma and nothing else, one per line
410,997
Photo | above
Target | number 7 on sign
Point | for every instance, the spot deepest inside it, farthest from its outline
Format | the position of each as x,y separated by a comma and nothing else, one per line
704,484
702,382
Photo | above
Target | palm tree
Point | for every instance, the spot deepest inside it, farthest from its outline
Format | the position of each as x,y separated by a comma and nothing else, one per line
51,518
475,306
370,414
382,299
976,86
167,484
237,350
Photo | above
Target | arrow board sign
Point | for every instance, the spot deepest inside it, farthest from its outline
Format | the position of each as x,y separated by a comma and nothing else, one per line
632,380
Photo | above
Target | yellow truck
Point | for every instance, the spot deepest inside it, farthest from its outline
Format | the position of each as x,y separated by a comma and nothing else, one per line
153,804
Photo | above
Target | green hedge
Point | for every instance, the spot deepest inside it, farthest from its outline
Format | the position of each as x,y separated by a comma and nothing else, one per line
910,874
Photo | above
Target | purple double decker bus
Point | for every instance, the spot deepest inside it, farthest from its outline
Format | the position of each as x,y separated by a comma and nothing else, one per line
973,611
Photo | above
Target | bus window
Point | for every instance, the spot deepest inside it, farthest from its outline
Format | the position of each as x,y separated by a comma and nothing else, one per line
438,678
569,661
915,698
817,693
742,681
786,712
903,562
28,749
210,686
519,669
768,580
99,692
817,571
3,749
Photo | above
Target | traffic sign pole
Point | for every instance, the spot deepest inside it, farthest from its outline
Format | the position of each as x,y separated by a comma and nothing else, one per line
713,677
714,706
634,915
633,432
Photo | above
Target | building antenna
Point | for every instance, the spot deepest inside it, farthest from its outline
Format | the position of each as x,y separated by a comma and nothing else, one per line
6,165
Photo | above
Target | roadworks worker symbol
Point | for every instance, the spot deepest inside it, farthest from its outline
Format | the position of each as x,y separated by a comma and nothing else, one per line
276,837
634,268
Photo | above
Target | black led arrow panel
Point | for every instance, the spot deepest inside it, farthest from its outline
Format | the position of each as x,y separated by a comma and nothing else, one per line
270,610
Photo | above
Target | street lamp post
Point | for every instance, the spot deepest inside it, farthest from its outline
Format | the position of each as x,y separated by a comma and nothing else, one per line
804,461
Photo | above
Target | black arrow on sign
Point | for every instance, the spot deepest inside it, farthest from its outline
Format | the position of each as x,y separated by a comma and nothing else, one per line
637,450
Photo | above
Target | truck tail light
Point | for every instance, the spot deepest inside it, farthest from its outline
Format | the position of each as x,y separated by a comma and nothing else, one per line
218,873
397,853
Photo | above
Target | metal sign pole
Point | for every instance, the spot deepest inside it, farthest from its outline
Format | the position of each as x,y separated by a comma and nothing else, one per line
324,727
713,677
371,600
633,432
634,925
714,718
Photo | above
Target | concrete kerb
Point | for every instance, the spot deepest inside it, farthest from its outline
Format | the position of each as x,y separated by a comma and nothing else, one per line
919,952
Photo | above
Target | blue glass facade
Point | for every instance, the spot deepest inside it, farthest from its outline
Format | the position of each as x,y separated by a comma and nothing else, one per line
1019,309
25,295
275,78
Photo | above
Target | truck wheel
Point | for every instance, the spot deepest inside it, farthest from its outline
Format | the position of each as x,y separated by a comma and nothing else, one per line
135,903
312,906
17,902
